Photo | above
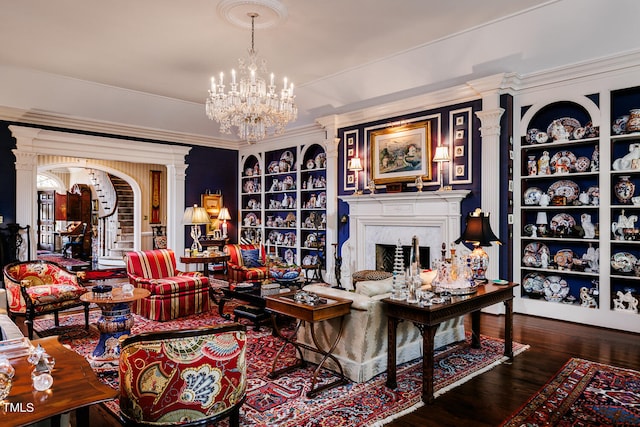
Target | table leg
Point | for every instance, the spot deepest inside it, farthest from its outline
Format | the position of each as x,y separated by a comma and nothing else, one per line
326,355
428,336
275,373
392,324
508,328
475,329
220,302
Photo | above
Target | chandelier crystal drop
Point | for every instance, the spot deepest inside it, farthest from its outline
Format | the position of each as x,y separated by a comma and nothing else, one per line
251,105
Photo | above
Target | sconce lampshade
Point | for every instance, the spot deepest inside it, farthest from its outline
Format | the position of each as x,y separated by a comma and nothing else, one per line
355,164
442,154
478,232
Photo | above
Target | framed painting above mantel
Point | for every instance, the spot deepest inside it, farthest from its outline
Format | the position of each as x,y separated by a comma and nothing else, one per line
401,153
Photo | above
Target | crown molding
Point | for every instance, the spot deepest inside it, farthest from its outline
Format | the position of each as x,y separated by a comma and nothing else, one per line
42,118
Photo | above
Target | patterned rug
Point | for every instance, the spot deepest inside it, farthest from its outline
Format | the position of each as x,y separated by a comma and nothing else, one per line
585,394
282,402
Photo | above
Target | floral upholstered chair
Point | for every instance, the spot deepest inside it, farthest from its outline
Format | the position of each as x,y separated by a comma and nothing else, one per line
183,377
174,293
247,263
40,287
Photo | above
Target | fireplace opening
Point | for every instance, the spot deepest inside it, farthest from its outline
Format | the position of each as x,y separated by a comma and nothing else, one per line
385,255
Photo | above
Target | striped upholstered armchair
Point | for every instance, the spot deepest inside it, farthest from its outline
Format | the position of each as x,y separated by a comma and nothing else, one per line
173,293
247,263
183,377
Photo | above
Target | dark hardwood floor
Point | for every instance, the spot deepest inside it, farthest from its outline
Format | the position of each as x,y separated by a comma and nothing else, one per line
490,398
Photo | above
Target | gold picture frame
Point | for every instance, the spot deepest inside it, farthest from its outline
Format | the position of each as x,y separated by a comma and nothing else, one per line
401,153
212,203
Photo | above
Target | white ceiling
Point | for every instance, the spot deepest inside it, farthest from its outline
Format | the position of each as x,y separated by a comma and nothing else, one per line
166,51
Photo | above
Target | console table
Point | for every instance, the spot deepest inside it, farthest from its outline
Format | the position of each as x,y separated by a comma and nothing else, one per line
428,318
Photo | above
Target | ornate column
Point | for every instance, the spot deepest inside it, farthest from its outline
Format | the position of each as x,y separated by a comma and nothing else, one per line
176,178
329,124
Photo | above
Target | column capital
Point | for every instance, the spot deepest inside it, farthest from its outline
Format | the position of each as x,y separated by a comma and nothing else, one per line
490,122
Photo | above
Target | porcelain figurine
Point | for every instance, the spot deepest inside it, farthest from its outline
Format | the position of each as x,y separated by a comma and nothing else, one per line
625,302
543,164
587,226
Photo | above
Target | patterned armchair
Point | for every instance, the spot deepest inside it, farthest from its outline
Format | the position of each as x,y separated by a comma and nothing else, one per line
247,263
41,287
174,293
184,377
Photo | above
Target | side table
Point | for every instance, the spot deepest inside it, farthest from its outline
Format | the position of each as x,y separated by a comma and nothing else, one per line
116,320
206,260
428,318
285,304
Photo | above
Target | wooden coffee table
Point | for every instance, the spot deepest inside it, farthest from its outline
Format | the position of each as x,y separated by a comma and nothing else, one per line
333,308
116,320
428,318
75,387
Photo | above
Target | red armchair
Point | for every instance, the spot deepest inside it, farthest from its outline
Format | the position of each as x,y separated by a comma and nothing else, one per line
41,287
174,293
247,263
183,377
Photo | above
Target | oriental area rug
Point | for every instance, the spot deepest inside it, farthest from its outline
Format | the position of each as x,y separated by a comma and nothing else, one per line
585,394
282,402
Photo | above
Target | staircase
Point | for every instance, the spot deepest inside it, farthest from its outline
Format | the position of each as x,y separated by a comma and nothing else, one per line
116,218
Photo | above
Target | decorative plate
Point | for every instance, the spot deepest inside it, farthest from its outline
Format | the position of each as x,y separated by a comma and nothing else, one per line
564,258
252,219
566,188
311,164
273,167
562,220
555,288
534,282
569,124
532,196
563,162
542,137
620,125
623,262
593,191
531,135
582,164
533,254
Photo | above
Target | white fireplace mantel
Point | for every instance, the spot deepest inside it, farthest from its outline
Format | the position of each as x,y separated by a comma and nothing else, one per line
432,216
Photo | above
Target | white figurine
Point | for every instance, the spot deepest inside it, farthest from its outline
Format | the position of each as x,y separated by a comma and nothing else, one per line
587,226
587,299
626,161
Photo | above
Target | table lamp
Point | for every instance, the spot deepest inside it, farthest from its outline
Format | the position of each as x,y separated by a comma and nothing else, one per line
195,216
224,216
355,165
441,156
478,232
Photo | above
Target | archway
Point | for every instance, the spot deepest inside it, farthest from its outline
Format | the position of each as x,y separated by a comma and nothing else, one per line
32,142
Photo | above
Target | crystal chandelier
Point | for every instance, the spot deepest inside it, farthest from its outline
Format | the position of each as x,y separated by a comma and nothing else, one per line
251,105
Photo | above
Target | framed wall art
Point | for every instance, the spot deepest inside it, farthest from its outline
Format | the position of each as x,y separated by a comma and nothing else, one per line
212,203
401,153
459,129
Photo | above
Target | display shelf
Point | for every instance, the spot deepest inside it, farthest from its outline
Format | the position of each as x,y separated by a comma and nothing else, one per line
292,187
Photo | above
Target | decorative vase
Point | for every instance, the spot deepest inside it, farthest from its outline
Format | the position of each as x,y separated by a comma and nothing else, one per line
532,166
624,189
633,125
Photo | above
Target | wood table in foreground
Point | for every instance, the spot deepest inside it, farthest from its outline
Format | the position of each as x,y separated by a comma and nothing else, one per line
75,387
428,318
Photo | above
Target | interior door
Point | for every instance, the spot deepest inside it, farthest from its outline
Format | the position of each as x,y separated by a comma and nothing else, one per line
46,220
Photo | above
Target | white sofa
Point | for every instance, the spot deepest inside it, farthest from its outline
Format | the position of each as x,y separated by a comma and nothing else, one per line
362,350
8,329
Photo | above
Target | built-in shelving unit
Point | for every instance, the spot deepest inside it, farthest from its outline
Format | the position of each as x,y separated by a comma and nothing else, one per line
283,202
576,227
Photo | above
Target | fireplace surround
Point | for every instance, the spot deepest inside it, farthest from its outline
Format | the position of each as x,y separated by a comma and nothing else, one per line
432,216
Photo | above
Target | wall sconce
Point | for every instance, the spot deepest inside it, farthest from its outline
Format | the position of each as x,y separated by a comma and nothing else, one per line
224,216
344,219
355,165
441,156
195,216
